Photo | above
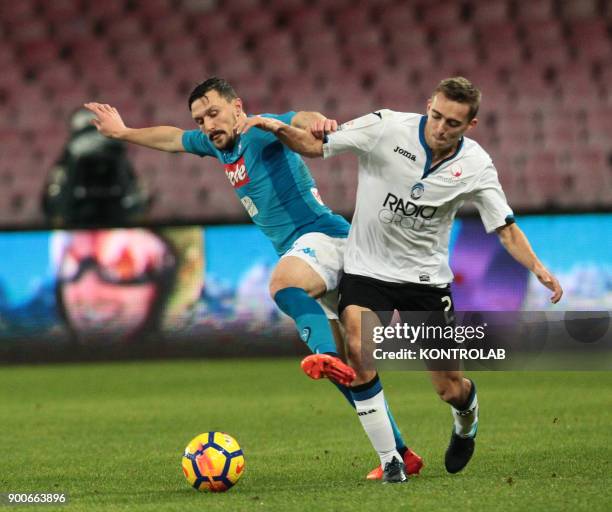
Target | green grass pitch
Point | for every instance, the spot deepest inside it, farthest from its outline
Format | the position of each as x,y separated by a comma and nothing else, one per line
111,436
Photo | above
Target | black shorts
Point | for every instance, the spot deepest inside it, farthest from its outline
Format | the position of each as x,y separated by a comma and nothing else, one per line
382,296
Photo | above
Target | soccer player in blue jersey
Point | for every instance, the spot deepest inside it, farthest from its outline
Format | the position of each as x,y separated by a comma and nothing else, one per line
279,193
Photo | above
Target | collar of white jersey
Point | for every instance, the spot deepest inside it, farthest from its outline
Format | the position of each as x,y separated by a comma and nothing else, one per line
427,170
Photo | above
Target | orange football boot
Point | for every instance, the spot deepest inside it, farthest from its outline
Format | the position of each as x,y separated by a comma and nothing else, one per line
318,366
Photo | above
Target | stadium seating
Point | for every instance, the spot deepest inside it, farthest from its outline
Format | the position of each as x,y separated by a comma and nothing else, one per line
545,68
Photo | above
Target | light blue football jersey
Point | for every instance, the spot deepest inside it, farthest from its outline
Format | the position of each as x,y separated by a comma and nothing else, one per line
274,185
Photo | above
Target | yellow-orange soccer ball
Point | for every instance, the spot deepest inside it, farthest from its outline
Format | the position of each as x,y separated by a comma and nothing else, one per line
213,462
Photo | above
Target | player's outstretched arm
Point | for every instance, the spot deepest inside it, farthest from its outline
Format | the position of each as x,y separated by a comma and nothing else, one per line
109,123
516,243
296,139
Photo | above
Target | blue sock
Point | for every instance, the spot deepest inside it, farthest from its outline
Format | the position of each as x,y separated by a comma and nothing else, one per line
310,319
399,440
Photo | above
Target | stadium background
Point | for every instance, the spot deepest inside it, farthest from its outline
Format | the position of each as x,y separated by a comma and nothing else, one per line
111,434
544,66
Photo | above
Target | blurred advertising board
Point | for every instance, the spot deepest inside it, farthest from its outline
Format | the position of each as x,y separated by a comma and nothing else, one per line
196,290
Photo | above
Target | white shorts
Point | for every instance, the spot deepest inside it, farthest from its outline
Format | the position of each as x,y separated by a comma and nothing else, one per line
325,255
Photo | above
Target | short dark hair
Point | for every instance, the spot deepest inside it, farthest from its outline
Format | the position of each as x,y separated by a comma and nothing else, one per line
214,83
461,90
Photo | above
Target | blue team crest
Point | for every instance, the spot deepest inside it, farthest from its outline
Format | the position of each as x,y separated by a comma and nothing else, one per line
417,191
305,334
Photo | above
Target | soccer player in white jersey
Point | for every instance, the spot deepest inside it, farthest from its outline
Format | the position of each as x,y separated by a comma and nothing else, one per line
415,171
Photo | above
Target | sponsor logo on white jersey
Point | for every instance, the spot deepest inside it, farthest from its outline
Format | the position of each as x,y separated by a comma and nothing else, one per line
405,213
456,175
405,153
456,170
408,208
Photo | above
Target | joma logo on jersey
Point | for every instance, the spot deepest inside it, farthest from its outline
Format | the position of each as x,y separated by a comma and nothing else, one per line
237,173
405,153
408,208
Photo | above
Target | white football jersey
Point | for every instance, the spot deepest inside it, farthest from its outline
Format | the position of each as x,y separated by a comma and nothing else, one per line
405,208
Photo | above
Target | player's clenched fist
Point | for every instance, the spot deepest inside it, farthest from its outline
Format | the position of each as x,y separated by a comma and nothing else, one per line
107,120
322,126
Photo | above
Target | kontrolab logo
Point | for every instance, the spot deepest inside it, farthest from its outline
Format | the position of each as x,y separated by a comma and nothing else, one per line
237,173
405,213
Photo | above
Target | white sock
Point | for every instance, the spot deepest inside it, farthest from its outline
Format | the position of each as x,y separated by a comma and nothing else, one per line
373,416
466,421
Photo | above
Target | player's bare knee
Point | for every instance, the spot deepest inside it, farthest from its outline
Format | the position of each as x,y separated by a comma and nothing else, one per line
280,280
275,286
280,283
